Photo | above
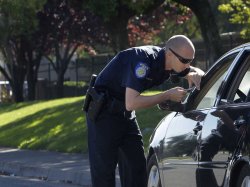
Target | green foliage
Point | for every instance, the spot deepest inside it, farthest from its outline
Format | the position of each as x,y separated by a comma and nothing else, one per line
138,5
109,8
240,14
19,17
106,9
57,125
189,27
164,21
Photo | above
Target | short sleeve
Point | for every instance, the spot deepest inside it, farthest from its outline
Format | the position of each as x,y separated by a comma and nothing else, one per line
135,74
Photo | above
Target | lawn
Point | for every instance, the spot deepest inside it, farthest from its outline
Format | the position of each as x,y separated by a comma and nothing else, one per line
57,125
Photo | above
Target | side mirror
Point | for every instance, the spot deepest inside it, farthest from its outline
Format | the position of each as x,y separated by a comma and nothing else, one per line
171,106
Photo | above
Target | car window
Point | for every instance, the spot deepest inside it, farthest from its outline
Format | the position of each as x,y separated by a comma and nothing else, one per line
210,97
243,92
213,85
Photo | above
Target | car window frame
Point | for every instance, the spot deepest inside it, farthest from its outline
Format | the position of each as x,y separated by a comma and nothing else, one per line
210,84
192,102
235,83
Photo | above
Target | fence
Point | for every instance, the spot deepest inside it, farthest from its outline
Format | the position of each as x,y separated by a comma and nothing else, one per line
78,73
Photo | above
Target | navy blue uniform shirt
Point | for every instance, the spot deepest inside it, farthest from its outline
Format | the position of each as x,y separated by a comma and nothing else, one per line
139,68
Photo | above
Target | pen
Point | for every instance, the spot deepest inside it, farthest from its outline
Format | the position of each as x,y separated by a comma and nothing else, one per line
189,89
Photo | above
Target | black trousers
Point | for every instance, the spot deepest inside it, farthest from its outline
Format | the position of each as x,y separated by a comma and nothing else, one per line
114,139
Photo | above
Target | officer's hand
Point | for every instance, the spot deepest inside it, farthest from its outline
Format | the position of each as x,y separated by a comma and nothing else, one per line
176,94
195,78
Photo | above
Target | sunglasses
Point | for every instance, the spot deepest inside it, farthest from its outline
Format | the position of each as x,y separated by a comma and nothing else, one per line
181,59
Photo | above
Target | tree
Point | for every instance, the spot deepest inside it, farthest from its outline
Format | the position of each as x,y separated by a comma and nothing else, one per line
146,27
17,22
208,26
116,15
35,44
69,26
240,14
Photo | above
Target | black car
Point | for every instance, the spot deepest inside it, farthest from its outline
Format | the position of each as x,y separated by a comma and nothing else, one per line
204,141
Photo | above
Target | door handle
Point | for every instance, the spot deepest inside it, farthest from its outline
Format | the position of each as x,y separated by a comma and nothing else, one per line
197,128
240,121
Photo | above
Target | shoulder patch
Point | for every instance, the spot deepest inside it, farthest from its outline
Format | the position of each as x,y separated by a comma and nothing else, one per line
141,70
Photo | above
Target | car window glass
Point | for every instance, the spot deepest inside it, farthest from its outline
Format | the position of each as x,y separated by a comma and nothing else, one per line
208,100
244,88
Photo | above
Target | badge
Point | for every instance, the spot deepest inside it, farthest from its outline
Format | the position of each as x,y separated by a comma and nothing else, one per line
141,70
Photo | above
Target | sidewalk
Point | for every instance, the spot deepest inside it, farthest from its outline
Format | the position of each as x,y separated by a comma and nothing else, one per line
53,166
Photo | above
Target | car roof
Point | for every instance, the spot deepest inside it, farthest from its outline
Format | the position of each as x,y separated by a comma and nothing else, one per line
241,46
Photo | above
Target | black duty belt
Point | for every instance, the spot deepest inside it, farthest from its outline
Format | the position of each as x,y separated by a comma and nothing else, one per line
114,105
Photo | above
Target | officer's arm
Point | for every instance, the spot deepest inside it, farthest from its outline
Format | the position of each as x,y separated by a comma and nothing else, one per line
134,100
194,77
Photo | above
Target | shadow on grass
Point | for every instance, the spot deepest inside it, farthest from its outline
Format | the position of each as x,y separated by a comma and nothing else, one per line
60,128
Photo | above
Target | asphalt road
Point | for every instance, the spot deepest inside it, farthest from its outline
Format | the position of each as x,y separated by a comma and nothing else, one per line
24,168
14,181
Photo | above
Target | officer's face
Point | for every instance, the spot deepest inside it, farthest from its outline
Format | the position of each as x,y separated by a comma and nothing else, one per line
179,62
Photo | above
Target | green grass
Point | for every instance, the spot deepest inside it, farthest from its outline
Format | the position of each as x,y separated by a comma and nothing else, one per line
57,125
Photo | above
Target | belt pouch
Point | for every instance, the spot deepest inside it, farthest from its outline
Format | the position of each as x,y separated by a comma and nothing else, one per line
96,105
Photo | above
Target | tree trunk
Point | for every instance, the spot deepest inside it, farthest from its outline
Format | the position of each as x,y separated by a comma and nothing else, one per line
16,66
62,64
32,73
31,80
117,24
118,34
209,28
117,28
18,77
17,92
59,85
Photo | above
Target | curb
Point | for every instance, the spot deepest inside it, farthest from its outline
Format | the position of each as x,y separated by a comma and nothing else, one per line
19,169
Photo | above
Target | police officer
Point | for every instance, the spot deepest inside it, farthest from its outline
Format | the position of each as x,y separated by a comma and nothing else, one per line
115,131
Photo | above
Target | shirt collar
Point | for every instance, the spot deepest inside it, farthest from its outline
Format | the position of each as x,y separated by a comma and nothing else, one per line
161,59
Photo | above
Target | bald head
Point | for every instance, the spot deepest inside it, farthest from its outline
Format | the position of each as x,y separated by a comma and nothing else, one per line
182,45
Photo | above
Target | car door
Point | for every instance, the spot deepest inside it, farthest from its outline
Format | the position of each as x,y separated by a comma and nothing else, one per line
180,150
224,125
